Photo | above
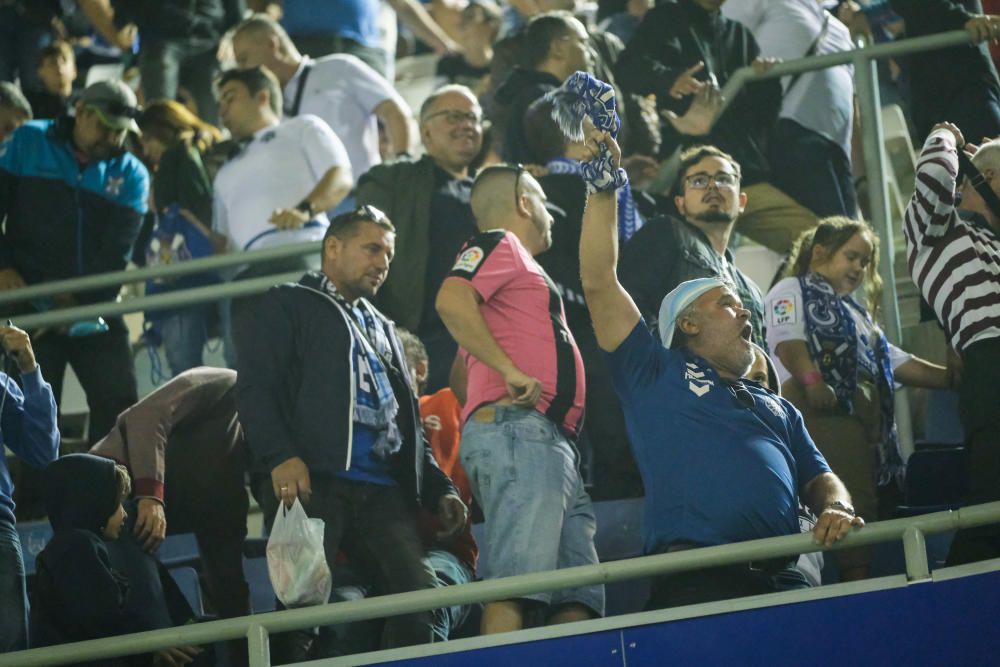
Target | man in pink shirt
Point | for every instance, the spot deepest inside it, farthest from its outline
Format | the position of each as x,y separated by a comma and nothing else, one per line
525,400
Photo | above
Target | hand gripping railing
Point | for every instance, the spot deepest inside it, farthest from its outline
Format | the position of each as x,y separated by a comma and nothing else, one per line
257,629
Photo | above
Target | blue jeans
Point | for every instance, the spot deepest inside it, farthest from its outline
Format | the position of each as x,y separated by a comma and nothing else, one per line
524,474
13,594
448,571
184,335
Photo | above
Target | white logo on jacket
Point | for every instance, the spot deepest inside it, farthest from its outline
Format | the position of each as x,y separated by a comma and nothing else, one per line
697,382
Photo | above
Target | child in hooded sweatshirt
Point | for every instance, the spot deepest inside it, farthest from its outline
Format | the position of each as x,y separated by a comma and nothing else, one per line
79,592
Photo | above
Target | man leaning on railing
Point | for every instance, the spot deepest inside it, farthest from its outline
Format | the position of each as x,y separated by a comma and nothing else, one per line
722,459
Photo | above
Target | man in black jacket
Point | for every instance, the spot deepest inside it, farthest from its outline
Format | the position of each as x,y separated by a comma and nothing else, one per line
958,84
668,251
428,202
330,417
553,46
684,46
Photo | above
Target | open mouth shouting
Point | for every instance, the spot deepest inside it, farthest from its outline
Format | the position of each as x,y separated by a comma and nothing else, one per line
746,332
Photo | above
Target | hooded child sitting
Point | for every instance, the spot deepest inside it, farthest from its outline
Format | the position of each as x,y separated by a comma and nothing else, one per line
83,589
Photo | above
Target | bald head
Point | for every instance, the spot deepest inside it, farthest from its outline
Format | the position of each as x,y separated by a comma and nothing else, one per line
260,40
507,197
494,196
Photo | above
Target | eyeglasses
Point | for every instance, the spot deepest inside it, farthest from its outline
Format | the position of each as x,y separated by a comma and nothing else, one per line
722,179
455,117
517,184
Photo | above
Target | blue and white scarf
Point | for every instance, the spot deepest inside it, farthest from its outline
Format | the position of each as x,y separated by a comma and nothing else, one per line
629,219
375,403
583,95
831,336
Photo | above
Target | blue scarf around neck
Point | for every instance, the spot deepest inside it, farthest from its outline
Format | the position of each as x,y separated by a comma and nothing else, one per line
376,409
831,336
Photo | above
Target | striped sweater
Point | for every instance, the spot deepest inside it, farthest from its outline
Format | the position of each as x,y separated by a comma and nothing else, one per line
953,261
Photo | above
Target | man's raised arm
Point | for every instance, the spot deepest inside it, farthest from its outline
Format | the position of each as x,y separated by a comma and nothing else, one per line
611,308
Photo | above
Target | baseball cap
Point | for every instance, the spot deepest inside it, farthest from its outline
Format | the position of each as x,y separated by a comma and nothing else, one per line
680,298
115,104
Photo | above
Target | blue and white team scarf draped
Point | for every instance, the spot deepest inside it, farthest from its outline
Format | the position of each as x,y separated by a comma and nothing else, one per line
629,219
583,95
376,409
831,336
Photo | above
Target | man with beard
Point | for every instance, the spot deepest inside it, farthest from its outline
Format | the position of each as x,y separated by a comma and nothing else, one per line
74,199
722,460
668,251
330,418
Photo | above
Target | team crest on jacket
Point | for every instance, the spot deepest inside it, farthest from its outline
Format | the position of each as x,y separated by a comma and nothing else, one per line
774,407
113,186
469,260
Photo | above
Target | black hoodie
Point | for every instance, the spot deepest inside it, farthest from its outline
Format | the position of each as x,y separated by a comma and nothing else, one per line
513,98
86,587
78,594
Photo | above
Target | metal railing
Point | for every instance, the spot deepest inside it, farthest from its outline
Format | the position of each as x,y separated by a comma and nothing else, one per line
257,629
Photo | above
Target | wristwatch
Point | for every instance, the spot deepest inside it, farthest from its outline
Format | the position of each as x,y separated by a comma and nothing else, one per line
306,207
843,507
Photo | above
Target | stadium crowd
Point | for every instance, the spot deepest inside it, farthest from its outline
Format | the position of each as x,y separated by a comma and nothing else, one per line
504,322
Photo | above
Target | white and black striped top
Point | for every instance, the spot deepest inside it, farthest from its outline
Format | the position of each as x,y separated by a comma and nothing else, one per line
954,259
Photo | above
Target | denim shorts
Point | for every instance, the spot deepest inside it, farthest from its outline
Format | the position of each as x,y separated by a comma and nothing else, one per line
524,475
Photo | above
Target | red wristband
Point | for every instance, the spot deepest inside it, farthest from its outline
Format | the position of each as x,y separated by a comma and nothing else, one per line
811,378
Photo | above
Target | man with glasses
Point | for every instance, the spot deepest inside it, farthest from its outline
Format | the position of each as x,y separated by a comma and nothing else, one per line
666,251
952,232
428,201
679,53
74,199
330,417
524,401
554,45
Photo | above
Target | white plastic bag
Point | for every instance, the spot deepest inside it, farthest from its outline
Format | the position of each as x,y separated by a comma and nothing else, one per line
296,561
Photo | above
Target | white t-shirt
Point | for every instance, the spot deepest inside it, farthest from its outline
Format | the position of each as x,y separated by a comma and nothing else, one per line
344,91
822,101
785,317
277,169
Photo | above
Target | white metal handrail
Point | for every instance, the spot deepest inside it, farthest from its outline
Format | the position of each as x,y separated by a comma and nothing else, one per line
258,628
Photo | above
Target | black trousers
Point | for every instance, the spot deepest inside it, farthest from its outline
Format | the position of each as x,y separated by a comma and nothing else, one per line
615,474
377,529
812,170
723,583
979,407
103,364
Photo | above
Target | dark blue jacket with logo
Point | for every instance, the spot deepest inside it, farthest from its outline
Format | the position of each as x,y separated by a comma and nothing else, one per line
64,220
